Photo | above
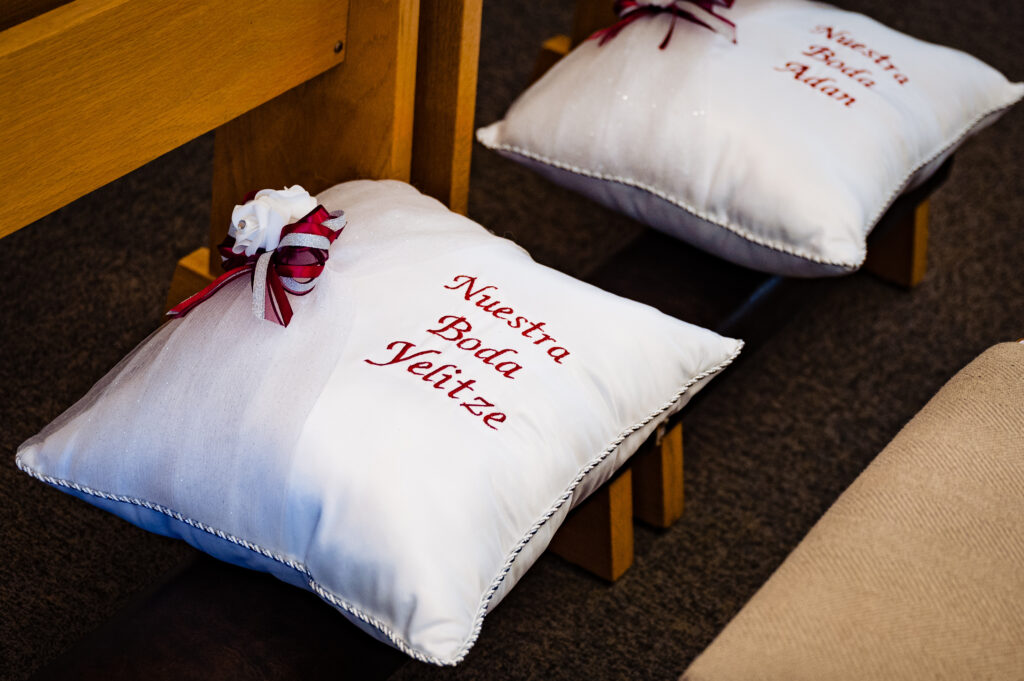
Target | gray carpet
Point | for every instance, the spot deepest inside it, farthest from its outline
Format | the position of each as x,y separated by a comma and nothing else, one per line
768,447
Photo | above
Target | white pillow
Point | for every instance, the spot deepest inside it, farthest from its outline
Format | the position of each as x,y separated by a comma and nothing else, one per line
739,148
332,455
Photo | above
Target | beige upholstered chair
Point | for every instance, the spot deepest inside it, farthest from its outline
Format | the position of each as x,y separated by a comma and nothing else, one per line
917,571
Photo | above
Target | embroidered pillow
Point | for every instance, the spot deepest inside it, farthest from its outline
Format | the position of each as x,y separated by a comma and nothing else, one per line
408,445
779,152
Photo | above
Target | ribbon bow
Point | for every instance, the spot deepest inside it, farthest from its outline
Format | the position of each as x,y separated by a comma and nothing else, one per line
290,268
700,12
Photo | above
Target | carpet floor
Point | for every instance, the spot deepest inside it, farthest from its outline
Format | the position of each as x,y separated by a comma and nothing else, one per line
768,447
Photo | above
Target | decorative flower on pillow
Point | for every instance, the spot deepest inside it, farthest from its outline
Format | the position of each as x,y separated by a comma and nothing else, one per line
341,476
280,238
700,12
257,223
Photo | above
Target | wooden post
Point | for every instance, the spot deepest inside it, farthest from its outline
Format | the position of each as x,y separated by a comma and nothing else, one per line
598,534
354,121
658,479
898,246
590,16
449,48
553,49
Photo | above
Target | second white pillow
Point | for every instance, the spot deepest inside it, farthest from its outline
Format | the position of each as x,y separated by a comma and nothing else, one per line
779,152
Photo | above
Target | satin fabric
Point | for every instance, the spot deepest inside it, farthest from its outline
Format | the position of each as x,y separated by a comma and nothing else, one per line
719,144
301,451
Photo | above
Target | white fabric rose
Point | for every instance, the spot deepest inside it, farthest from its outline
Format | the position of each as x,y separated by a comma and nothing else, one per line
258,223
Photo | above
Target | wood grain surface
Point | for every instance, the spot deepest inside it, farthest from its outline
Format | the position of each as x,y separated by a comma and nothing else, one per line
590,16
14,12
96,88
898,246
446,99
355,121
658,479
598,534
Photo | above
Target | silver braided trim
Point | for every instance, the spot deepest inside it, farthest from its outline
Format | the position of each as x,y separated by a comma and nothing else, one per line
742,232
953,141
567,495
220,534
396,640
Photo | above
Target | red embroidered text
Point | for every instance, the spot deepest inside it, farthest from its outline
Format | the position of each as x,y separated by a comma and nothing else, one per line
883,60
489,303
442,377
823,84
454,329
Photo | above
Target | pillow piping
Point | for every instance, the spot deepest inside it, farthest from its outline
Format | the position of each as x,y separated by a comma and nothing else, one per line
353,610
567,495
976,123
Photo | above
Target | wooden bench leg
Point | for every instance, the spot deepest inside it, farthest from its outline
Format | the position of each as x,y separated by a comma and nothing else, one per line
658,479
598,534
553,49
190,276
898,251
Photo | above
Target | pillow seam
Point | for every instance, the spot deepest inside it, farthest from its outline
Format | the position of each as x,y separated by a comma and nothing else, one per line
740,231
567,494
341,603
398,641
955,141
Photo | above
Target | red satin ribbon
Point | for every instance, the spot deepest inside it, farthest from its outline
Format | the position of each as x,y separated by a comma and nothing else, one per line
631,10
288,263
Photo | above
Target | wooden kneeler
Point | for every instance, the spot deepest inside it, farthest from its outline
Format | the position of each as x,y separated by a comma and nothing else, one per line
658,478
598,534
898,246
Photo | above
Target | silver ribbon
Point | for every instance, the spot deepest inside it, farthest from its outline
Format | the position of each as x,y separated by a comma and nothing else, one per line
259,282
